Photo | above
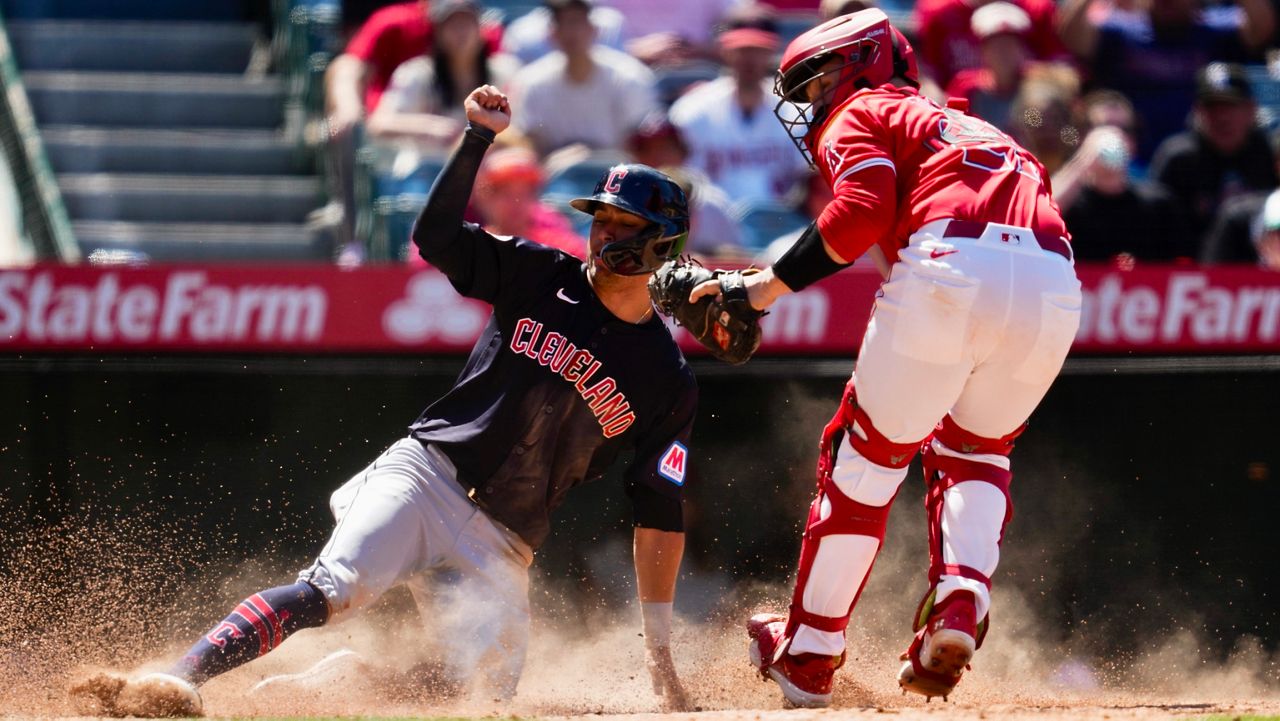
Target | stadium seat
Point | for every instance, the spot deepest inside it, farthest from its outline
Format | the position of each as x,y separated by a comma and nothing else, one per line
579,176
761,222
509,10
390,182
580,221
673,82
791,24
393,218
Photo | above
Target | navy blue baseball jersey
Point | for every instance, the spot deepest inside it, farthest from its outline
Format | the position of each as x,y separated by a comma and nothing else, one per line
556,387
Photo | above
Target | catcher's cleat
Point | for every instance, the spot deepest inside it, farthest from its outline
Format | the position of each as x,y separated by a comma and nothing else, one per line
805,679
941,651
154,695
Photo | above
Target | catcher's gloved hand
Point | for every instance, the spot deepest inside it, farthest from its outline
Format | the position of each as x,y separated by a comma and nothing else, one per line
725,323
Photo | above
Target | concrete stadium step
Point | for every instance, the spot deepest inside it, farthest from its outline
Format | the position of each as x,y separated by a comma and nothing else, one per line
190,198
155,100
132,46
211,10
208,242
74,149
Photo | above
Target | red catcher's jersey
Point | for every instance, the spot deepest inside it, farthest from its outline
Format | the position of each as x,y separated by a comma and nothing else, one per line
947,164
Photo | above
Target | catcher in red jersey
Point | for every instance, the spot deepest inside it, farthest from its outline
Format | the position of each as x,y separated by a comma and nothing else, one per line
978,309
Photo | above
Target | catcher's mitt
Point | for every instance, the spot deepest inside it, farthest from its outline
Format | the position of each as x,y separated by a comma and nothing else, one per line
727,325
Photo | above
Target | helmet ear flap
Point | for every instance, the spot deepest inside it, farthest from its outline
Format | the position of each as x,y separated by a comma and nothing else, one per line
901,65
899,62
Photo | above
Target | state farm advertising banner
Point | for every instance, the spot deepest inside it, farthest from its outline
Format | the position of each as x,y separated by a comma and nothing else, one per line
323,309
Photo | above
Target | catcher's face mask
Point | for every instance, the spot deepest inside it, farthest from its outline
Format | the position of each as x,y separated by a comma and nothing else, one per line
850,52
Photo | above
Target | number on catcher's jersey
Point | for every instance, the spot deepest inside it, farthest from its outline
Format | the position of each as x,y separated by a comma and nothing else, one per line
982,145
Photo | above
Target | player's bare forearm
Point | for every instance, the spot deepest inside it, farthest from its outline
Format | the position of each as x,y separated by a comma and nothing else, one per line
763,289
425,127
657,561
344,89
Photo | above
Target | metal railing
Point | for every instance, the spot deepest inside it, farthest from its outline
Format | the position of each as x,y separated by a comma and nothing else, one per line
307,38
43,214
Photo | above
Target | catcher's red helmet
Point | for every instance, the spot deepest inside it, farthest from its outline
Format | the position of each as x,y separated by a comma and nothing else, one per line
870,51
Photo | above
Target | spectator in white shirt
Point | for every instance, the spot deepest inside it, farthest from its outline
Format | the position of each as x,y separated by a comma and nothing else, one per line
582,93
733,136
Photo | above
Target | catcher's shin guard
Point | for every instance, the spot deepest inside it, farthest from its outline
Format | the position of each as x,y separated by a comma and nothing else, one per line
968,505
848,517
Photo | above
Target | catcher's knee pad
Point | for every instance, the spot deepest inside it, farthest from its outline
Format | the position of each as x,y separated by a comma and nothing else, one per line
863,481
956,456
852,420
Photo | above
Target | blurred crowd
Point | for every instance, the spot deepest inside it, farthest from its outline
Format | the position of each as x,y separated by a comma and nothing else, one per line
1155,118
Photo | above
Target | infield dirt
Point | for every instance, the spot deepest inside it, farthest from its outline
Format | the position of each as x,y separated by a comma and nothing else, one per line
90,594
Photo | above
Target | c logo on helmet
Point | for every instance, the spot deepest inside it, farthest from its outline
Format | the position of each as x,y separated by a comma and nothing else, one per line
614,183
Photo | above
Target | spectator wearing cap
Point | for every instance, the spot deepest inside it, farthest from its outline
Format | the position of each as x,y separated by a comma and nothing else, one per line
506,200
583,93
948,44
1238,228
733,136
1001,28
713,232
1152,56
1224,155
424,101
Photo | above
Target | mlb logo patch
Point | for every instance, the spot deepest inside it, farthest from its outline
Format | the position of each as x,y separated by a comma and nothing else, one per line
673,463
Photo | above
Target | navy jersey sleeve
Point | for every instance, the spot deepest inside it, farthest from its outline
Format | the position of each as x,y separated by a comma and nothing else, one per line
480,265
496,268
656,478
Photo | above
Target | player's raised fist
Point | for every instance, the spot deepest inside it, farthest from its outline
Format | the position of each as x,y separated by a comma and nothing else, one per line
488,106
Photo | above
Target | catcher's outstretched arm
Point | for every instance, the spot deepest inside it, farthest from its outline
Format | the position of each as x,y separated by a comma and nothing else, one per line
811,259
808,261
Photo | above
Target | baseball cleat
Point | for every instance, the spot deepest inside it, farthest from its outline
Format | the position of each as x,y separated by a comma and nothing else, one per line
805,679
941,651
154,695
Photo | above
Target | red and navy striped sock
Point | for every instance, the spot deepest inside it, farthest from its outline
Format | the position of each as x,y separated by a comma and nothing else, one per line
255,627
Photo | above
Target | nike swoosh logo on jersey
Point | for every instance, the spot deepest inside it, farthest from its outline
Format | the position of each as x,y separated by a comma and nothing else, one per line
560,294
939,253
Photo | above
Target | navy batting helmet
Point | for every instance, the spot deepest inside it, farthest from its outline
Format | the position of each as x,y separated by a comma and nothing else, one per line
643,191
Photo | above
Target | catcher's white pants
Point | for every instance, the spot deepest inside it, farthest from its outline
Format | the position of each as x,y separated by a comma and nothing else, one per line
977,328
404,517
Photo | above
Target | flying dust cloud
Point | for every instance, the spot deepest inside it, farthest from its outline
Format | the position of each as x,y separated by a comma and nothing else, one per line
102,589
